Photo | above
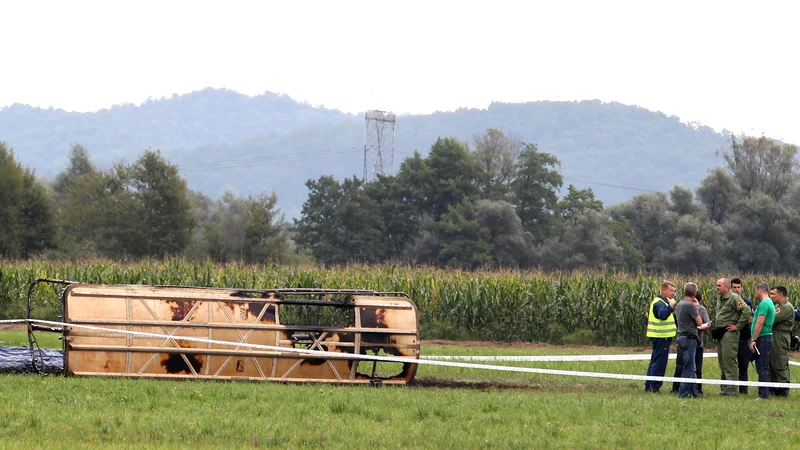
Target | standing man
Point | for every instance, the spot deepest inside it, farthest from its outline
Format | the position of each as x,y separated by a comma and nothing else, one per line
689,322
698,362
743,357
698,358
732,315
660,329
781,339
761,330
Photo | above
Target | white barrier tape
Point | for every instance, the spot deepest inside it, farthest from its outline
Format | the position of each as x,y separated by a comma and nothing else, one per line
551,358
317,353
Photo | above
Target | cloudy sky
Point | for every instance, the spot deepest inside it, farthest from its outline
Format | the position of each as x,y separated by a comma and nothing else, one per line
729,64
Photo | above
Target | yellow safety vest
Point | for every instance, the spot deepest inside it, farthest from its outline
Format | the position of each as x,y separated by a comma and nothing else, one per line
657,328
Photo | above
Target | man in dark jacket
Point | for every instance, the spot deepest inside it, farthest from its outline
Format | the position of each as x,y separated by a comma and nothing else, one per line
743,357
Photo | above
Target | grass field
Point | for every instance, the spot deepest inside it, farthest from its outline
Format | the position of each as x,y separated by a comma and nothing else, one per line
447,408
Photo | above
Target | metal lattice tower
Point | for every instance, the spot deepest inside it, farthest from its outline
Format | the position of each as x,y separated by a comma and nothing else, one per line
379,144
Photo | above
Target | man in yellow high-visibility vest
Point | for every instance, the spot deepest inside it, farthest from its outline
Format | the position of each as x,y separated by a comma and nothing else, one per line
661,329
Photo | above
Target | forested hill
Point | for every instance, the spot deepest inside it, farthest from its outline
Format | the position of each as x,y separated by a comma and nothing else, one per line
42,137
607,143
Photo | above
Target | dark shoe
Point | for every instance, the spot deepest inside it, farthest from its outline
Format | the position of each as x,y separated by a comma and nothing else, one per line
700,395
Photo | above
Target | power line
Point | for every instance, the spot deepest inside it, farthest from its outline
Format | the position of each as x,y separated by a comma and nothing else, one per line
608,185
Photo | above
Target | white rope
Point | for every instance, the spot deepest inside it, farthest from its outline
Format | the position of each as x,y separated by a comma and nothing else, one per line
551,358
321,354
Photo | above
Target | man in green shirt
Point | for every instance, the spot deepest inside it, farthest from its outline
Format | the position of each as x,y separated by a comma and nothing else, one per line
781,339
761,331
732,316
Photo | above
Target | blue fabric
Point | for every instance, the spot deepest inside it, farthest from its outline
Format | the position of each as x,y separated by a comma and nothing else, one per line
658,363
698,365
662,310
797,315
688,346
764,346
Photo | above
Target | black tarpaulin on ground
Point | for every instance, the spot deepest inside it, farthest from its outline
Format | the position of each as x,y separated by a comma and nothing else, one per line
18,360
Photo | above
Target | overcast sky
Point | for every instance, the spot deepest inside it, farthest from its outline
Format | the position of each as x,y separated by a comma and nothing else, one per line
725,64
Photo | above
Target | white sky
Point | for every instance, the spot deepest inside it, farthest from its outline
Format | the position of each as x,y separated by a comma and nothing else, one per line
725,64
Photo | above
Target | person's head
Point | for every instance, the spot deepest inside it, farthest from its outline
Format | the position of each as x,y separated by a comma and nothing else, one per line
762,291
778,294
667,289
698,296
689,290
736,285
723,286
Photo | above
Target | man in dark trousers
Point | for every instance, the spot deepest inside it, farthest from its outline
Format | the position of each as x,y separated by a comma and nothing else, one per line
781,340
687,316
743,356
660,329
698,358
761,329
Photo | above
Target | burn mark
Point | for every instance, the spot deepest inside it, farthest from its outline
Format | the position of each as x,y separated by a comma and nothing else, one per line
256,308
180,309
313,361
175,363
373,318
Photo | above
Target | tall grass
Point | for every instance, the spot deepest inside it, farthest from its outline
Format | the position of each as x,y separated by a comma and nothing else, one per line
506,305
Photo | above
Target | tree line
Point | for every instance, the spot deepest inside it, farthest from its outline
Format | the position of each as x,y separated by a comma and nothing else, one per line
491,202
135,210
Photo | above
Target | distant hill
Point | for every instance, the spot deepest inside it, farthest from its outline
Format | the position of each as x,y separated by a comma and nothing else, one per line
225,140
41,137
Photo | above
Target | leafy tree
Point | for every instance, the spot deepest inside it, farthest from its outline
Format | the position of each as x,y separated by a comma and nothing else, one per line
398,218
80,165
534,191
265,232
697,247
27,223
465,241
590,243
338,222
632,258
652,224
453,175
762,165
37,217
165,219
511,245
577,201
12,193
682,202
80,193
497,154
760,238
718,193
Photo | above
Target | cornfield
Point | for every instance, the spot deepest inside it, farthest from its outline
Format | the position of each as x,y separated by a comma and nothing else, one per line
574,307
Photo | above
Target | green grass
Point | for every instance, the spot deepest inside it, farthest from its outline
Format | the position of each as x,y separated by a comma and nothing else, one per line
486,410
20,338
